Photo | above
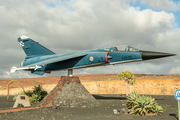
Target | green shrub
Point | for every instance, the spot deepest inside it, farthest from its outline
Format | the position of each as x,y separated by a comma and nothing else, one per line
32,99
29,93
36,95
131,99
127,76
15,97
142,105
43,94
158,109
133,82
37,88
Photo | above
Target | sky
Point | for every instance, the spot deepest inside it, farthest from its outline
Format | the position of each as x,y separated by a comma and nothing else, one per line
66,26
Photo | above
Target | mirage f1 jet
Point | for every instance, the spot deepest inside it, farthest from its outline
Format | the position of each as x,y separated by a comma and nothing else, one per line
40,60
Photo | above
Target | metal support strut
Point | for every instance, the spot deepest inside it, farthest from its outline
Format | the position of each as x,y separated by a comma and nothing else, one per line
70,72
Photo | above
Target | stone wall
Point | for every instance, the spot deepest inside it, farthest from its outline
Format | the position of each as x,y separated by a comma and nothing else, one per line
151,87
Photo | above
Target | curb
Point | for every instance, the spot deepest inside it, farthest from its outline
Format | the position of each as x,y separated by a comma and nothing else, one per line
18,109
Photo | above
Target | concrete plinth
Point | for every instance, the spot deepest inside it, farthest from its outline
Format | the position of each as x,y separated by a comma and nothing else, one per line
69,92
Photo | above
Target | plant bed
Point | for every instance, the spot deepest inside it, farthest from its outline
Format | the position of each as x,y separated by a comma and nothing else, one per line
34,96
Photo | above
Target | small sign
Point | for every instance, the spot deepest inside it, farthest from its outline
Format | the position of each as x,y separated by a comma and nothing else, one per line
177,94
22,97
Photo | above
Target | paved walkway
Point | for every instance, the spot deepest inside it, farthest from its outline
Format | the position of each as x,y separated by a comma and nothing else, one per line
104,112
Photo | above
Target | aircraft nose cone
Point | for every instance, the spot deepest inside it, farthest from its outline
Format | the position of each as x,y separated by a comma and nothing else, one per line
147,55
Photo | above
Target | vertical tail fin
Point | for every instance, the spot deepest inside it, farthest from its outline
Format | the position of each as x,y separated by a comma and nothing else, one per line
32,48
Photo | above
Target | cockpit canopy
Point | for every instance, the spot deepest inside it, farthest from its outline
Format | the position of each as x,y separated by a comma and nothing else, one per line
125,48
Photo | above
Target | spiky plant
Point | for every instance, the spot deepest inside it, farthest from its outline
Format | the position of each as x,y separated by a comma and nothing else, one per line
131,99
43,94
37,88
38,93
29,93
36,97
158,110
15,97
32,99
143,105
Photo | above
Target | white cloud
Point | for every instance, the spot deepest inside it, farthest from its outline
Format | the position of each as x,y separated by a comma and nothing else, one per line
19,74
166,5
175,70
169,40
84,24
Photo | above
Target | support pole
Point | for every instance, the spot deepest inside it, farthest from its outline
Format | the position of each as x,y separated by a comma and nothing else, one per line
178,110
70,72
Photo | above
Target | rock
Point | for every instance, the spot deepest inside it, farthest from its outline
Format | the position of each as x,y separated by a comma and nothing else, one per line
69,92
115,111
124,102
125,111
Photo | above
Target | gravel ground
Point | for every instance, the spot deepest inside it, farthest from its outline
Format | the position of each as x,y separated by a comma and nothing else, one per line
104,112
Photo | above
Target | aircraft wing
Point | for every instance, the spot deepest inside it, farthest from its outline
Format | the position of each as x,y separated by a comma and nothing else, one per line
41,65
58,59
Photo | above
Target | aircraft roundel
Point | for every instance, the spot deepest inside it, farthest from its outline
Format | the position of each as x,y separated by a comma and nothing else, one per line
91,58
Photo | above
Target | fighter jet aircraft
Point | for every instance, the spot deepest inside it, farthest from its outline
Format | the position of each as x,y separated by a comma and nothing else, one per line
40,60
